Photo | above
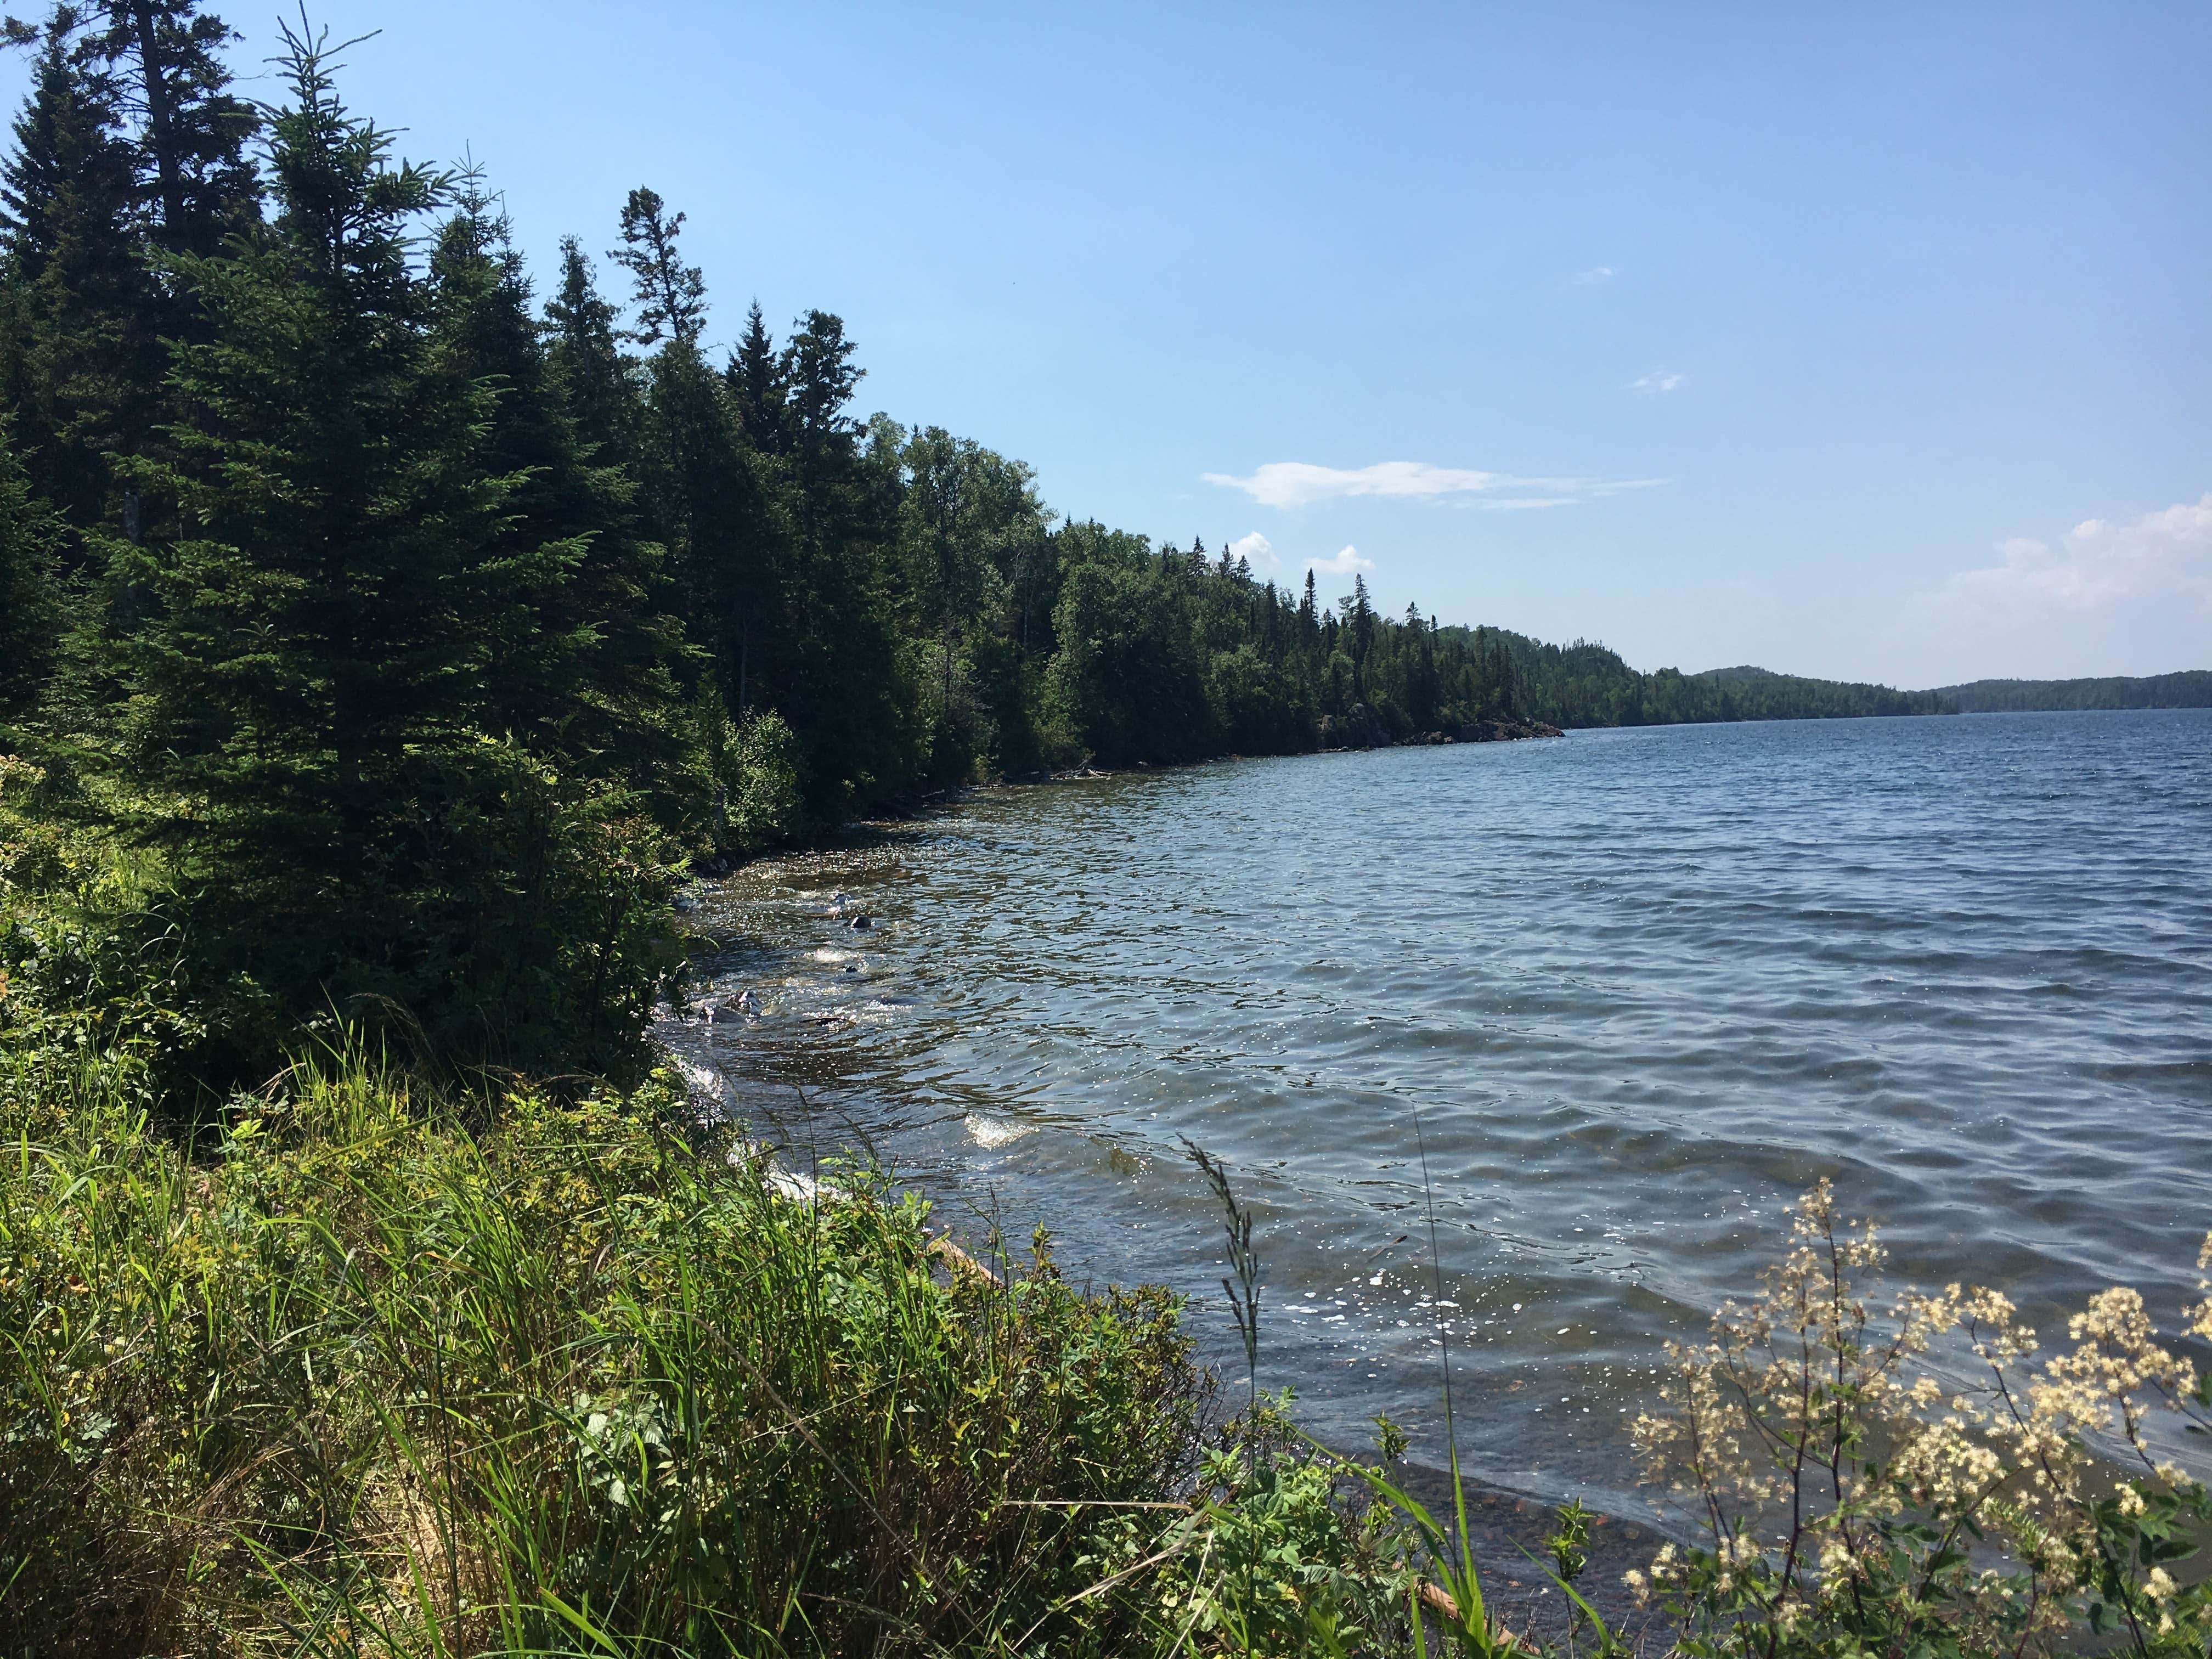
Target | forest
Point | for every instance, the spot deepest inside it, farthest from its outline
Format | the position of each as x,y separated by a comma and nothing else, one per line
2190,689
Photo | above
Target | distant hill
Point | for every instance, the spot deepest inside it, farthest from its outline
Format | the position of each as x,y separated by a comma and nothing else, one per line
2190,689
1763,694
1586,684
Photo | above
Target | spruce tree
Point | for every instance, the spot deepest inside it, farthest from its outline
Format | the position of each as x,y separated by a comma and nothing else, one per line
82,359
819,379
717,516
835,654
197,184
599,388
579,667
710,503
755,378
671,296
347,822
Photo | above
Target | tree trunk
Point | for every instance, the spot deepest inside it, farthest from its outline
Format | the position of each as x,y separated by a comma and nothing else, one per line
160,117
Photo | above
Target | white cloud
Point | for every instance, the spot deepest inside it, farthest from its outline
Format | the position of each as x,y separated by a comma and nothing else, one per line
2163,556
1658,381
1301,483
1594,274
1256,551
1346,561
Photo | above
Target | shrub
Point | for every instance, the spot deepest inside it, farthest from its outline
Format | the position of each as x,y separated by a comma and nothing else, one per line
1847,1498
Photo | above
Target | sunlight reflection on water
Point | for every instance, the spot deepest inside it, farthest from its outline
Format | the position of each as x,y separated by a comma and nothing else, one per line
1640,987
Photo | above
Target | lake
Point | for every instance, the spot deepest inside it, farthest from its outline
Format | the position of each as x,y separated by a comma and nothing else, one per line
1629,992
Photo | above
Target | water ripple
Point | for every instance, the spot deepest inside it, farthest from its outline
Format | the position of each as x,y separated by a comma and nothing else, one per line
1640,988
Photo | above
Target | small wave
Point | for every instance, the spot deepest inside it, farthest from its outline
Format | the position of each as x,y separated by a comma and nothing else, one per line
794,1184
703,1081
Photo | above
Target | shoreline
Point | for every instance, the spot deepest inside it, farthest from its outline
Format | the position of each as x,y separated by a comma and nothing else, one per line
905,807
1508,1524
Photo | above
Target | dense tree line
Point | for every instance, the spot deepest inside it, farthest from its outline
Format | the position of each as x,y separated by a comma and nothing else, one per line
1586,684
2190,690
407,632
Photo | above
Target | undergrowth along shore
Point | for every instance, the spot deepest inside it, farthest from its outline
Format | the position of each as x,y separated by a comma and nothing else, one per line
368,1366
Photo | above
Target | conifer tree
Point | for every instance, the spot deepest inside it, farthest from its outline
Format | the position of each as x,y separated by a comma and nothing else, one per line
839,679
82,360
818,378
309,687
598,386
710,511
671,296
580,665
755,378
197,184
709,505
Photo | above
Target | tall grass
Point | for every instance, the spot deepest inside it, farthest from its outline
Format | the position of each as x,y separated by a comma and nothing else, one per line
371,1368
381,1371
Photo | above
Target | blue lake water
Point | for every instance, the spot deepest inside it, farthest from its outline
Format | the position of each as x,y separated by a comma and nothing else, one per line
1637,989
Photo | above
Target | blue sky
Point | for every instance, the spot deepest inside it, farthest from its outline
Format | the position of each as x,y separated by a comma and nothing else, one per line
1870,341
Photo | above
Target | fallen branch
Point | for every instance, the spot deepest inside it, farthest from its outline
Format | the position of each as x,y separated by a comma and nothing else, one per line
1437,1601
959,1260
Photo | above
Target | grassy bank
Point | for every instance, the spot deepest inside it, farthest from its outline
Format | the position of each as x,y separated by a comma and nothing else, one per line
366,1366
374,1370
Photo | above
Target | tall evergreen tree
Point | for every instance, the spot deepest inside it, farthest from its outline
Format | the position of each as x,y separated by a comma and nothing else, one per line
755,378
581,666
818,381
310,707
709,508
671,296
946,560
840,676
599,387
197,183
83,360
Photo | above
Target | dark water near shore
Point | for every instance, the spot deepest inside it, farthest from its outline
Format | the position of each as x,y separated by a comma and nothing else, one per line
1640,988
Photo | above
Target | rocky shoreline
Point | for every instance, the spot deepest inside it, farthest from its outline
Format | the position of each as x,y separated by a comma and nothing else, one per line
1505,731
1357,730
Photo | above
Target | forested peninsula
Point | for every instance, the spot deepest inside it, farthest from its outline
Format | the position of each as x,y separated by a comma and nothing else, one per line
2192,690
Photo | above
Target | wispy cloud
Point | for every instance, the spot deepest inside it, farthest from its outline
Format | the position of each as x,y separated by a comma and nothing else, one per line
2165,556
1256,551
1658,381
1346,561
1301,483
1595,274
